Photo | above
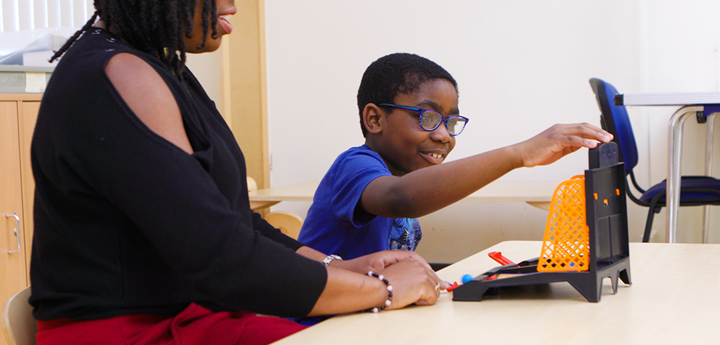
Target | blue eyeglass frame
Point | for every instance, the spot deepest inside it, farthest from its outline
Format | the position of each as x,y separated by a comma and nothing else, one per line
422,112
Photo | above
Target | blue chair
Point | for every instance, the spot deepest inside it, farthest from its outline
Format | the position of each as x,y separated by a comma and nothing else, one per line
694,190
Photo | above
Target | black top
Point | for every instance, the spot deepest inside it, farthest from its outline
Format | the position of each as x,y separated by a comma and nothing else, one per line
128,223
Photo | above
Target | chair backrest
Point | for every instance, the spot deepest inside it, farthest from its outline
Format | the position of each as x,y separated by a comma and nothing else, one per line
252,185
18,323
615,120
289,223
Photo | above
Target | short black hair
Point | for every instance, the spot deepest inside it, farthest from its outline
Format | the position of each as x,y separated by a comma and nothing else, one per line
399,73
153,27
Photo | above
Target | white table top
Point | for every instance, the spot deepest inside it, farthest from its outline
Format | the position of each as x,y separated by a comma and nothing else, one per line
522,191
674,299
668,98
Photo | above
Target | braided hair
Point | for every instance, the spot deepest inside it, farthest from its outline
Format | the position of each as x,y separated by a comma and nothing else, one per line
156,27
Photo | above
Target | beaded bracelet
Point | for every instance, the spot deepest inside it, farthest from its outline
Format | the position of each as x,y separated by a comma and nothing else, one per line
389,289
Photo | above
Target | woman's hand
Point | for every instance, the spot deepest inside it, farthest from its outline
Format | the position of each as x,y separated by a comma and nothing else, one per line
378,261
558,141
384,260
413,282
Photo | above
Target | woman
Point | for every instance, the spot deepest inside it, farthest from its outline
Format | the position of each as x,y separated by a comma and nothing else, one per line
143,230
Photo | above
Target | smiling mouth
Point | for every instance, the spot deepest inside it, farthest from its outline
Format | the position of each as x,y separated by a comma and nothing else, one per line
434,157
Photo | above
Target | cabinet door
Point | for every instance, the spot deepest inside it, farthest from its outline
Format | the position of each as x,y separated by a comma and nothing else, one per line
27,118
13,273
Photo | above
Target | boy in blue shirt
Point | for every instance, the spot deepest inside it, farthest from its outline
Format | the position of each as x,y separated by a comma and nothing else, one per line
370,198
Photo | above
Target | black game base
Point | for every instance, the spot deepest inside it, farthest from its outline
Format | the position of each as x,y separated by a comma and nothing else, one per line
606,212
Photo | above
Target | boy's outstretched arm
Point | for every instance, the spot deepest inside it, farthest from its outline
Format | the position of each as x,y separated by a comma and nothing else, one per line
429,189
558,141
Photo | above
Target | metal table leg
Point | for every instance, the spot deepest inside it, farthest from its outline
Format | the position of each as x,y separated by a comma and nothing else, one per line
677,121
708,170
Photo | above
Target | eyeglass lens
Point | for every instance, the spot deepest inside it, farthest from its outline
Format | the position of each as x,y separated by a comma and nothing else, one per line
431,120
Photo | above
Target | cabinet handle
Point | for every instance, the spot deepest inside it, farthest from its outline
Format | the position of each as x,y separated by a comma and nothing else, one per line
16,231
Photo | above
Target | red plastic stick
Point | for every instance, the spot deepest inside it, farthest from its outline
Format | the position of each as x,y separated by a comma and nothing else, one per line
497,256
454,285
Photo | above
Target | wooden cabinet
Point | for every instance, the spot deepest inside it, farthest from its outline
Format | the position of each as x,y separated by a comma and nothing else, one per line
18,114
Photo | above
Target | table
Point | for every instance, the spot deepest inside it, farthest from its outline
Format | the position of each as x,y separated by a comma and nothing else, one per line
535,193
303,191
673,300
691,103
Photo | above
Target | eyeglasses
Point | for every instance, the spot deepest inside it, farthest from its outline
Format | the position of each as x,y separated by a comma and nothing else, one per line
430,119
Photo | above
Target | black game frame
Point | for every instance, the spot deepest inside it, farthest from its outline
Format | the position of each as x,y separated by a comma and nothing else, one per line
608,228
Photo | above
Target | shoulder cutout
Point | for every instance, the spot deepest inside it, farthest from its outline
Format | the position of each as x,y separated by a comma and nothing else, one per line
147,95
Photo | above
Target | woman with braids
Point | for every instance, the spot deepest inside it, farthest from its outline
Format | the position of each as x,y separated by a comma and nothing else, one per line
143,230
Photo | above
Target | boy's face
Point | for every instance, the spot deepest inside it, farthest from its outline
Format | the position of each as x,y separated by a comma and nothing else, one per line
402,143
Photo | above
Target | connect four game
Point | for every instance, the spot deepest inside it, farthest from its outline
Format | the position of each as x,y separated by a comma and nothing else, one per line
585,240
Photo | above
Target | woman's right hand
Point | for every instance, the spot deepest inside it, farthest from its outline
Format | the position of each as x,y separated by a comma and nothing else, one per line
413,282
346,291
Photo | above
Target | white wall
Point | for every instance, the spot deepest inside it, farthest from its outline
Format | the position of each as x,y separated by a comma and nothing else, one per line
207,68
682,56
521,67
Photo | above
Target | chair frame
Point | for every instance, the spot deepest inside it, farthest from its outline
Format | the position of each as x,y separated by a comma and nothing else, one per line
18,323
658,202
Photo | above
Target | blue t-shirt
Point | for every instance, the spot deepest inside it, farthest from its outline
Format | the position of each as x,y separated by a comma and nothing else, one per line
335,223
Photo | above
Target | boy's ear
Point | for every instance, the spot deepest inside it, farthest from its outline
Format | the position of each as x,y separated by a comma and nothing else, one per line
372,115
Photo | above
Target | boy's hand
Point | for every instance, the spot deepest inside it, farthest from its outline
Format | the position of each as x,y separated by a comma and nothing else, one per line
379,261
558,141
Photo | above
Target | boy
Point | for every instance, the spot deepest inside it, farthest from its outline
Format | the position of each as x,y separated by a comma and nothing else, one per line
409,116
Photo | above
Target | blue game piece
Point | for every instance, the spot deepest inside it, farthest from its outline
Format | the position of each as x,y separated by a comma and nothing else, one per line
466,278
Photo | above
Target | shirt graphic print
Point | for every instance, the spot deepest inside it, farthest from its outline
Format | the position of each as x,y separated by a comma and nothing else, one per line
405,234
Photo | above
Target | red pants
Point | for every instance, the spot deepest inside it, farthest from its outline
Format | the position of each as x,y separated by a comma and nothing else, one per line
194,325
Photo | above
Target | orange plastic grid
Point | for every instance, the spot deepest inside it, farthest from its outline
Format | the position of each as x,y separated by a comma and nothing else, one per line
566,243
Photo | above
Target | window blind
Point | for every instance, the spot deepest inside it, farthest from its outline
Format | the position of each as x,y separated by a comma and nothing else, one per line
18,15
